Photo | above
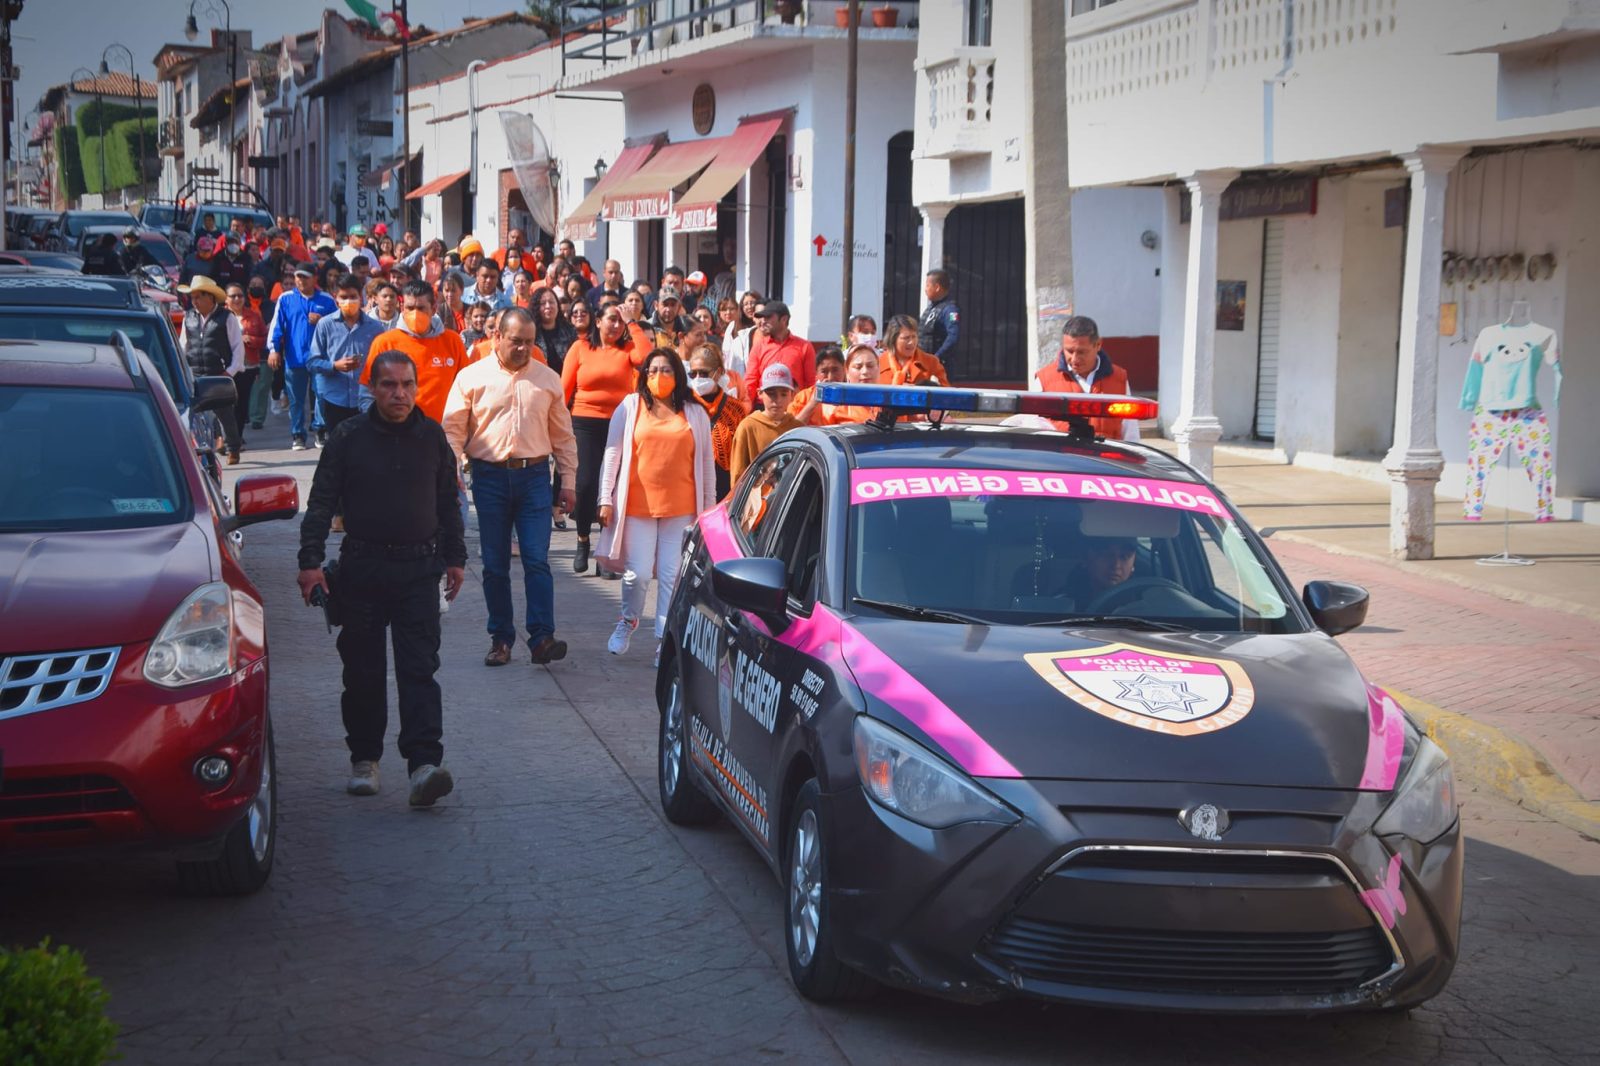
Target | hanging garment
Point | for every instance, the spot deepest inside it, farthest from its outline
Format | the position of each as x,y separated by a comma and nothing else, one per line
1527,430
1503,373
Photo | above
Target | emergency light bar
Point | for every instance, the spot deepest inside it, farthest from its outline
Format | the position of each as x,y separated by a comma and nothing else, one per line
1066,406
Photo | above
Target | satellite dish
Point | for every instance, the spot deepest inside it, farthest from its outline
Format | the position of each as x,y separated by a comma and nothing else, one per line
536,170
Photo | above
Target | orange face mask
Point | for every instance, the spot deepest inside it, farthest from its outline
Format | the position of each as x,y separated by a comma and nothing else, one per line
661,385
349,307
417,321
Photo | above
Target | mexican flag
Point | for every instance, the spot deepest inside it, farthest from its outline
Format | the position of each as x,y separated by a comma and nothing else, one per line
387,23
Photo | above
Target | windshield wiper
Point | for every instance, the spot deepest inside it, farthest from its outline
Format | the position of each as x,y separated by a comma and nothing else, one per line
926,614
1118,621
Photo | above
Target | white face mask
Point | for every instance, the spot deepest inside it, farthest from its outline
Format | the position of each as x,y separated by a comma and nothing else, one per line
864,338
704,386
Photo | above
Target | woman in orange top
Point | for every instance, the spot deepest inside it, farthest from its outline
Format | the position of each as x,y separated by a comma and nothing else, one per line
596,374
903,363
712,387
813,412
658,476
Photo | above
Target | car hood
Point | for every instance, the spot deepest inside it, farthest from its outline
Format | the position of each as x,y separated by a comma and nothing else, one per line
1122,705
60,591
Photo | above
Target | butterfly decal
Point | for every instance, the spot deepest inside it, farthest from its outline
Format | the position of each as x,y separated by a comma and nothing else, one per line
1387,901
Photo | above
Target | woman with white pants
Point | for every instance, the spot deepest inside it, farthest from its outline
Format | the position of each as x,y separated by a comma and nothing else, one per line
659,474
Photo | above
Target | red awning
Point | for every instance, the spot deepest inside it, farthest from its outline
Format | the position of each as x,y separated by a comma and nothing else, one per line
696,209
583,223
648,193
437,185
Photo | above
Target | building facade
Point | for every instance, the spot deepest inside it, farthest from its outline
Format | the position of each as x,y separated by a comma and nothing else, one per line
1328,256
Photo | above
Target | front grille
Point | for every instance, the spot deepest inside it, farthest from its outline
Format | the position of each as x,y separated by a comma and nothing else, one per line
1191,962
32,683
60,797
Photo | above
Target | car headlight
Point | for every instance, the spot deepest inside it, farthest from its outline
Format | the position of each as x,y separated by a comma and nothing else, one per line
196,643
1424,803
905,777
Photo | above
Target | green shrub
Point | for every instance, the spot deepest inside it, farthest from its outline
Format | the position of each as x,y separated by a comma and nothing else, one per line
69,177
52,1012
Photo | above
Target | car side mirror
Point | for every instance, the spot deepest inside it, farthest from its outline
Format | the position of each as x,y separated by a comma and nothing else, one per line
263,498
759,586
216,393
1336,606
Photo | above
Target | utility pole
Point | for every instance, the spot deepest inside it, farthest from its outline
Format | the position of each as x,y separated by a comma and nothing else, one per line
9,9
1047,192
847,299
405,118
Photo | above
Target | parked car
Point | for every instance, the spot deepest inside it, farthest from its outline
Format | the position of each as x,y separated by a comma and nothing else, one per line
1018,712
70,225
49,260
133,646
52,305
41,232
18,220
191,221
159,217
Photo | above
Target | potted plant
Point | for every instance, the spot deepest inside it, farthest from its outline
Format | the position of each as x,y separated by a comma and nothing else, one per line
885,17
841,16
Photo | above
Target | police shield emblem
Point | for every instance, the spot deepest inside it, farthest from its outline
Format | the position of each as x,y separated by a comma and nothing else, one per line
1178,696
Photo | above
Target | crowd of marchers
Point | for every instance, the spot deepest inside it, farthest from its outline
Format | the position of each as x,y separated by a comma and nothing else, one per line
545,391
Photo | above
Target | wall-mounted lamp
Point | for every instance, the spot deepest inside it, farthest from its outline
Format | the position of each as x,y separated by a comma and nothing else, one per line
600,168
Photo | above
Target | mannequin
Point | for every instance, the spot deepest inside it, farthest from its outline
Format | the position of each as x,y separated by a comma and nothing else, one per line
1501,391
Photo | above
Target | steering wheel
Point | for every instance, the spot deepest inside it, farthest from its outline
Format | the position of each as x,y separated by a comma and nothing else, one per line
1109,601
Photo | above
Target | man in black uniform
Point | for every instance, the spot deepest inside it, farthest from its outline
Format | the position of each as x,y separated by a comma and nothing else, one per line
940,327
393,475
213,344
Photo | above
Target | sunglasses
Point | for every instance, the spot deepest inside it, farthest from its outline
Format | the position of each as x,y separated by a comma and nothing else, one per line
702,373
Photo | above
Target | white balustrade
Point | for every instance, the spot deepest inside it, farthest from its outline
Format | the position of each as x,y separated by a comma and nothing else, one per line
960,97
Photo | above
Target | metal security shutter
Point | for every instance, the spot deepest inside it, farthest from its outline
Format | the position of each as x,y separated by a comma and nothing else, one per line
1266,426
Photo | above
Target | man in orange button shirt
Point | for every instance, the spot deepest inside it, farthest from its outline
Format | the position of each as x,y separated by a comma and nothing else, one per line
1083,367
437,352
508,417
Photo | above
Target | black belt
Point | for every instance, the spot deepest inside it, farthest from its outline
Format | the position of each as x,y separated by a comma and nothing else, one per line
421,550
515,464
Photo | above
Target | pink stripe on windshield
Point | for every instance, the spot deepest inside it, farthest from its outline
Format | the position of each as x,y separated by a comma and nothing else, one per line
1386,741
907,482
828,637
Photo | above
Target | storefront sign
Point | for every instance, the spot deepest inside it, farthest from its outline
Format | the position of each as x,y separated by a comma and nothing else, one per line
1262,199
587,229
704,108
694,218
638,208
371,127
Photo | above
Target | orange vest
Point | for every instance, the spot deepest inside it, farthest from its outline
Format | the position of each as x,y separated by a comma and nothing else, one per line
1053,379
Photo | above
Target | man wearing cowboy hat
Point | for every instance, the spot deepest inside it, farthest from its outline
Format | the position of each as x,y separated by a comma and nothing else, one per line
213,344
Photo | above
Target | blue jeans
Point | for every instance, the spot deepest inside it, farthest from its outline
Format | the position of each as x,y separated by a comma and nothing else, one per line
297,382
520,500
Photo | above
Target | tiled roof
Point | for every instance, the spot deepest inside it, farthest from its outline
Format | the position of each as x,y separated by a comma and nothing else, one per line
115,84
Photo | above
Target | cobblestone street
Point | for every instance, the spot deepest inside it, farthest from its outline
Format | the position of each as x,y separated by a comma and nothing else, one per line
545,910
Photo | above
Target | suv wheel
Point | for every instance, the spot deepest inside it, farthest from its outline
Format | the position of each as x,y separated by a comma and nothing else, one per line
245,861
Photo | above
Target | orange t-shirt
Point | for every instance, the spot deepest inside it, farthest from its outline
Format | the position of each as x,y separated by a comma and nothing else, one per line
915,371
439,359
827,414
661,476
596,379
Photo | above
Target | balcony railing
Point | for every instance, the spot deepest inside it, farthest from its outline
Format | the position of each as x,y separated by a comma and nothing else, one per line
169,136
960,97
608,31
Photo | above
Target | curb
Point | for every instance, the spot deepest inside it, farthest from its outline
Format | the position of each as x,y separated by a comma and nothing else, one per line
1507,766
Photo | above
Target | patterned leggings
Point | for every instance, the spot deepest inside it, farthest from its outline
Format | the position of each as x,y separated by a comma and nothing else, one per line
1528,431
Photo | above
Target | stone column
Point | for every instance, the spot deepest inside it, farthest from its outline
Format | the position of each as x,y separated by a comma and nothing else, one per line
1197,429
1047,197
1415,461
933,216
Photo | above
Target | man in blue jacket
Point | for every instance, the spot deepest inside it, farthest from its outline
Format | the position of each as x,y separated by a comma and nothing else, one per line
340,345
289,346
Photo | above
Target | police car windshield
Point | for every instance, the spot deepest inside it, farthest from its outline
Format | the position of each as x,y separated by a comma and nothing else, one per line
1018,548
56,324
114,470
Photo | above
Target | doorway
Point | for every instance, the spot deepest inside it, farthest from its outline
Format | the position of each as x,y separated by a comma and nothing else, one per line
902,237
985,252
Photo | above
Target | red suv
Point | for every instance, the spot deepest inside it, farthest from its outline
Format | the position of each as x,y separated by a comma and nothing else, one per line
133,648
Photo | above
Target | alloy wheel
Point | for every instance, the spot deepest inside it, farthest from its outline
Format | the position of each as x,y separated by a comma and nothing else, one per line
805,887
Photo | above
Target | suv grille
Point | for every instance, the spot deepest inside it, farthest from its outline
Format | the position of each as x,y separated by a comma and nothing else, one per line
1191,962
30,683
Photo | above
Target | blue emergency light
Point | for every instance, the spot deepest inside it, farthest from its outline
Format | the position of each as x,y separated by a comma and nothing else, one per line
1072,407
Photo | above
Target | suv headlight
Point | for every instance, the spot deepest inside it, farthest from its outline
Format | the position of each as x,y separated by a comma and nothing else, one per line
908,779
196,643
1424,803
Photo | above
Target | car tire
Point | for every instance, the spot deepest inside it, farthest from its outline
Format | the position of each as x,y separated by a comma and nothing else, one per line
681,799
245,862
807,930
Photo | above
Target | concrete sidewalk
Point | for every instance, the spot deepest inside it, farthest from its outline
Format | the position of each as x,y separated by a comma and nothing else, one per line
1515,650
